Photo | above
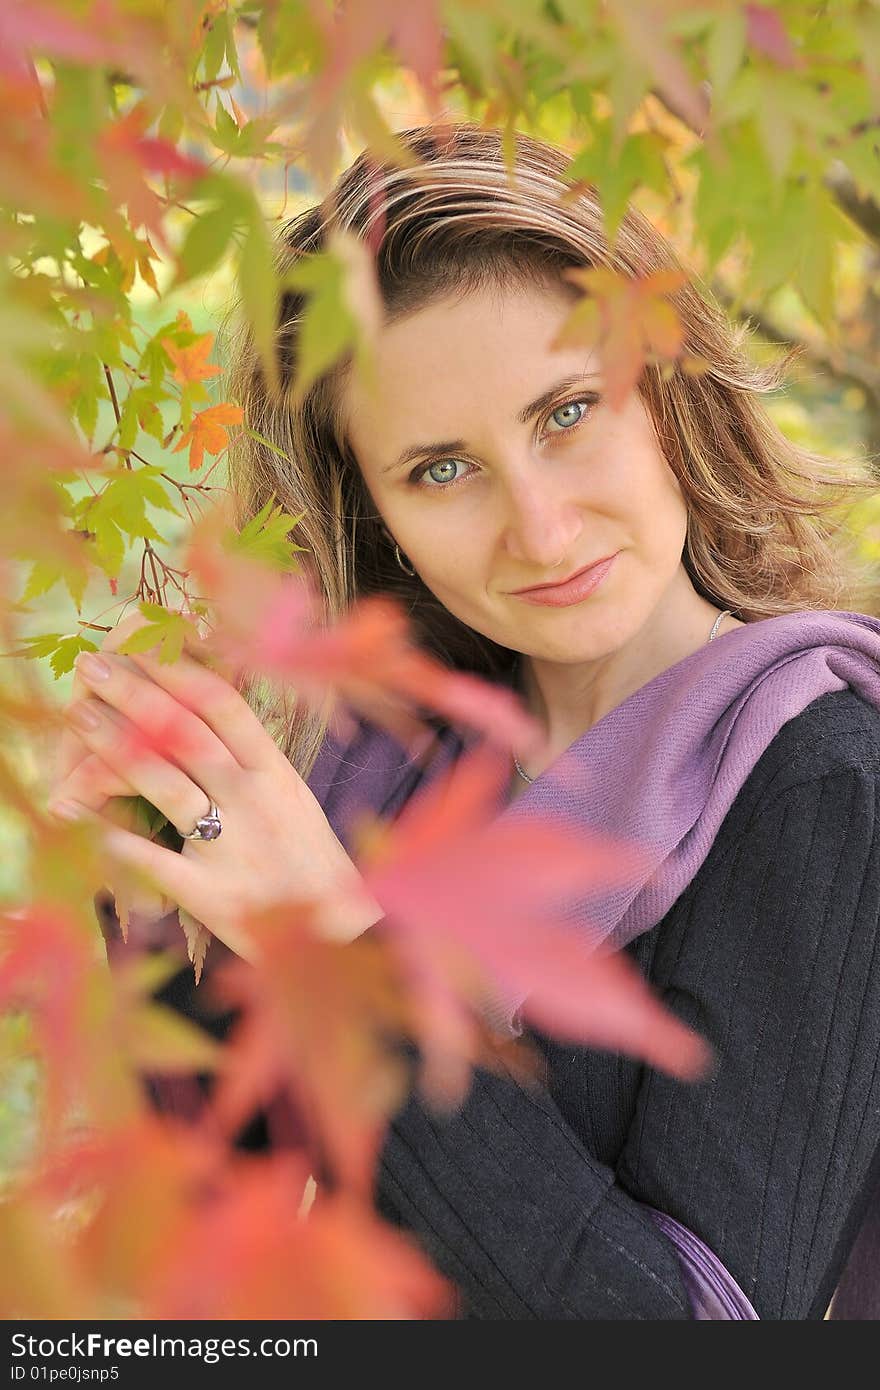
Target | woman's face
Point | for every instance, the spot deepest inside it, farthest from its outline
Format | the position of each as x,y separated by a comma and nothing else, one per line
492,474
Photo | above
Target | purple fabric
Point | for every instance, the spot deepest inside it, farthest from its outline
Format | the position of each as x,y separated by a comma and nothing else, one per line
662,769
713,1292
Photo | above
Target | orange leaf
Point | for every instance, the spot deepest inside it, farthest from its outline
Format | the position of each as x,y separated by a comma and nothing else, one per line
247,1253
190,363
632,319
207,433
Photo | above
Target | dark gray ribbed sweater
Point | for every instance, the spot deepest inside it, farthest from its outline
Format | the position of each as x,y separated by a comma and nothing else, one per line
529,1199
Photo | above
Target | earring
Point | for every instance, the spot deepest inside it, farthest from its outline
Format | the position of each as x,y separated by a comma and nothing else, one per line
399,561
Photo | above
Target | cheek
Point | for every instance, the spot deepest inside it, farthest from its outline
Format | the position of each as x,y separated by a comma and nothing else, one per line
444,537
648,489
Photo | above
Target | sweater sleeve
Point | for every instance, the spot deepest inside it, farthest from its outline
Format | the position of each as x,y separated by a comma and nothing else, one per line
510,1206
773,957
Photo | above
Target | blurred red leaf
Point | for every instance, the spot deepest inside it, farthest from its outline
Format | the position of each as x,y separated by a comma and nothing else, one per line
27,27
643,30
133,1186
446,872
45,969
355,32
368,656
159,156
314,1022
247,1253
119,155
766,34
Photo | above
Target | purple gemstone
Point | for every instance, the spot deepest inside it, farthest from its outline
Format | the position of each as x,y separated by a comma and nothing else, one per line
209,827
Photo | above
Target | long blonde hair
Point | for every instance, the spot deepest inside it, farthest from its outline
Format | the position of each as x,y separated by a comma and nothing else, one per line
760,538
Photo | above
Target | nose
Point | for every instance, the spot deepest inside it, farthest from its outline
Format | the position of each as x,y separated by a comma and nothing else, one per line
543,524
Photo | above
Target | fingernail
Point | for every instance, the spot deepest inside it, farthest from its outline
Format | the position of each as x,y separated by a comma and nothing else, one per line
92,668
83,716
65,810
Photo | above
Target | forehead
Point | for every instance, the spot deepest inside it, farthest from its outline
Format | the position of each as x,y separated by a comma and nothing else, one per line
453,354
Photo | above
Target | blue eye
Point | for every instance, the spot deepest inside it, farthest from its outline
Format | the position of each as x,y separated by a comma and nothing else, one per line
441,464
572,419
443,484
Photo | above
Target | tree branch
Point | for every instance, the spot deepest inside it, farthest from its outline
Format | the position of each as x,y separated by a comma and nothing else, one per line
835,363
863,211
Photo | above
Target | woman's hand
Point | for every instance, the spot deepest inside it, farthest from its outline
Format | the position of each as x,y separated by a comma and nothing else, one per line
100,787
275,844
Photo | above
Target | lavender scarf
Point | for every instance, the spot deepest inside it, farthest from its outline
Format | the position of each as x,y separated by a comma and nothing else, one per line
663,768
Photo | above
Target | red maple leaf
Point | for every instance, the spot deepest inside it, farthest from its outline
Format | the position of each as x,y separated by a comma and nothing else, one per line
46,968
159,156
450,875
368,657
135,1185
355,32
313,1021
248,1253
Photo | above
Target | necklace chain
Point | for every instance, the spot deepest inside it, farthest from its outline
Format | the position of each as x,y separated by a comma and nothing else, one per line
727,613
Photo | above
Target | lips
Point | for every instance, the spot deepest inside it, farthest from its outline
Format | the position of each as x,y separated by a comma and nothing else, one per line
571,591
559,583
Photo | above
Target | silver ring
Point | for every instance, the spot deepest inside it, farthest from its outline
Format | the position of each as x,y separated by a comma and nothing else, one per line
207,827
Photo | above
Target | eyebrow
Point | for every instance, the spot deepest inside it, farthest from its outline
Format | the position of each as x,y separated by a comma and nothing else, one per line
451,446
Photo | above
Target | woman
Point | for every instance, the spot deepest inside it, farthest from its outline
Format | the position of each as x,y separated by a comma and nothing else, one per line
485,463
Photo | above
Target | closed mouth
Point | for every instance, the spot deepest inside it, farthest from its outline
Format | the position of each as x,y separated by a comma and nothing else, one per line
558,583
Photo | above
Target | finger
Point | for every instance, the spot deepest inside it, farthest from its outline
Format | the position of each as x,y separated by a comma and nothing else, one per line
120,744
164,726
221,707
80,800
179,878
92,782
70,748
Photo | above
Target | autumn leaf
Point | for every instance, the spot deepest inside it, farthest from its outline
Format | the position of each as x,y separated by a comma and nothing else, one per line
649,44
355,32
41,1275
45,969
767,34
136,1185
271,623
313,1025
141,1189
449,869
118,152
46,29
159,156
247,1253
145,257
370,659
198,939
207,433
628,318
191,363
